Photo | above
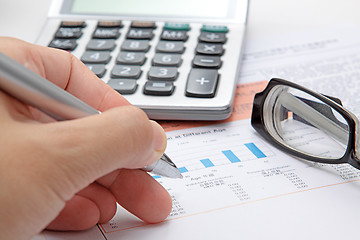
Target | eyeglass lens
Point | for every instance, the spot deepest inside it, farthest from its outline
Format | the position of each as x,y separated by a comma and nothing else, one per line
304,123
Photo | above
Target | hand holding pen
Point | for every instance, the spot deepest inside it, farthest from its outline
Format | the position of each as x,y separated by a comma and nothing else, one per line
68,175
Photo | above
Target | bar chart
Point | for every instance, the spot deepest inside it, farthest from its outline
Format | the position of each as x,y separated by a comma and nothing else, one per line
213,149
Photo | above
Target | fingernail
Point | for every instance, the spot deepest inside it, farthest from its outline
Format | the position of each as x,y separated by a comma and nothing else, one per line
159,137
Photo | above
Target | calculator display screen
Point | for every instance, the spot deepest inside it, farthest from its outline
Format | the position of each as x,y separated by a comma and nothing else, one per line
220,9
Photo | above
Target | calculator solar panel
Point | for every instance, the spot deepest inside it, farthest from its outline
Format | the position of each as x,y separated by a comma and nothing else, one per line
172,66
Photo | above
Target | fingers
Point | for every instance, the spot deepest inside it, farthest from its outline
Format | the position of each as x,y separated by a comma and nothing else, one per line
79,213
66,71
92,205
141,195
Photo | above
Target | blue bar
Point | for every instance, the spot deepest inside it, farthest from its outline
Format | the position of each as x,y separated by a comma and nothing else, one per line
255,150
183,169
231,156
156,176
207,163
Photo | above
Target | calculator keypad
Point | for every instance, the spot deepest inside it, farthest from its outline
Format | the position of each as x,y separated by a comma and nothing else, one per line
139,38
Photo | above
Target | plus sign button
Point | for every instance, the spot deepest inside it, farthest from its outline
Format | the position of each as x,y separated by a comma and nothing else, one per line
202,83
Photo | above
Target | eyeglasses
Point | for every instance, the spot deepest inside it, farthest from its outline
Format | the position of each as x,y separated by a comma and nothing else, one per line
306,124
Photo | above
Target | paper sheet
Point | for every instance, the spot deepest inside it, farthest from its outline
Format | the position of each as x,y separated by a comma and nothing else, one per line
236,185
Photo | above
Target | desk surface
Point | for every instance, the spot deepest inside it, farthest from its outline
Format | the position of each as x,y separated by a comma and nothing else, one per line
265,17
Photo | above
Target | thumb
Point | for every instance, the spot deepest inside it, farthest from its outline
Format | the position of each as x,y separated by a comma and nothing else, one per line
86,149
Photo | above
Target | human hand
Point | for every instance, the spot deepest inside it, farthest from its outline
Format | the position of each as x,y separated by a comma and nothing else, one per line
69,175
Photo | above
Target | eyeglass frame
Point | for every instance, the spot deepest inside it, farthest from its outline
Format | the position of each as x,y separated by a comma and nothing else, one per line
257,121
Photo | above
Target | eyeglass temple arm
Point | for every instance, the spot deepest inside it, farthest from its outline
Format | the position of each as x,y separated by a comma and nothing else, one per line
313,117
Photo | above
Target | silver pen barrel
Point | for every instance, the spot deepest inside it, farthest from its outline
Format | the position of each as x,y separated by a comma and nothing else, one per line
30,88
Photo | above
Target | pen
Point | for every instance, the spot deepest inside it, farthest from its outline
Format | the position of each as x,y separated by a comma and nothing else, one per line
30,88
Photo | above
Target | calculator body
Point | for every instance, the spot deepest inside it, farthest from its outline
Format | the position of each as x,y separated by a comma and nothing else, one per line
176,60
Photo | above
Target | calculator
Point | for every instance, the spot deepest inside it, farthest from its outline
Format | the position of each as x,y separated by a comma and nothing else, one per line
175,59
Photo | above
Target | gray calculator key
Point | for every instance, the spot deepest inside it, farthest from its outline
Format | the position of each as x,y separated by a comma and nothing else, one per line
207,61
158,88
98,69
212,37
64,44
174,35
163,73
123,86
161,59
106,33
131,58
96,57
170,47
101,44
68,32
135,45
202,83
210,49
140,33
123,71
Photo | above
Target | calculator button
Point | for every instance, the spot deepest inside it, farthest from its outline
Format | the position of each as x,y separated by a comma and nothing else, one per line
110,24
68,33
96,57
73,24
207,61
123,86
158,88
177,26
139,33
209,49
163,73
131,58
101,44
64,44
212,37
141,24
98,69
135,45
170,47
161,59
202,83
106,33
122,71
214,28
171,35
